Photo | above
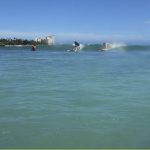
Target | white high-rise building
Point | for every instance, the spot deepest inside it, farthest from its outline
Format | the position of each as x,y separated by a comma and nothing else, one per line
49,40
38,40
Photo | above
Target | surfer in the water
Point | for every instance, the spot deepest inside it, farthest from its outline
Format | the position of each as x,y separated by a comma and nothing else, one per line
33,47
76,46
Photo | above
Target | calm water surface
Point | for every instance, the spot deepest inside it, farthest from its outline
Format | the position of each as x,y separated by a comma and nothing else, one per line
60,99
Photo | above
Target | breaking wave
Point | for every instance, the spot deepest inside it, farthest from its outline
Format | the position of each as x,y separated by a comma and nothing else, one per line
86,47
96,47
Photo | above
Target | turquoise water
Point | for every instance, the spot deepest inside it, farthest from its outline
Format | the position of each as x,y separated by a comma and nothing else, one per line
60,99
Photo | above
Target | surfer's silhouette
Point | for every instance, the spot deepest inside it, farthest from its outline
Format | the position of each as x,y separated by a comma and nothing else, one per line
76,46
33,47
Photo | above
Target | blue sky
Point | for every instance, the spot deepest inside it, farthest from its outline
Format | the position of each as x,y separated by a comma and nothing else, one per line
84,20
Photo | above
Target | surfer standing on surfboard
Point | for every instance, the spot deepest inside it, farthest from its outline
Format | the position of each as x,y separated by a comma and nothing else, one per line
76,46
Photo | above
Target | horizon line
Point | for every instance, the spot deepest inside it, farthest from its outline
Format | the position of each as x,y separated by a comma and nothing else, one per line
68,37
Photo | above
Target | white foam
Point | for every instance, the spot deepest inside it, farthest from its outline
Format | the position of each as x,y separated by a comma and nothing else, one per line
117,45
81,46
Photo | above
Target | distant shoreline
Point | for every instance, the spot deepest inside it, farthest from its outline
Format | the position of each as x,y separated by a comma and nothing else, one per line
16,45
17,42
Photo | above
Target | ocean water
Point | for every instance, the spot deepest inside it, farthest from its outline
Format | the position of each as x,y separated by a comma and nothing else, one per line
52,98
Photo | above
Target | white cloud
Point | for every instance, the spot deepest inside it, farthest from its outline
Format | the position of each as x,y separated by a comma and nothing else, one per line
82,36
59,36
78,36
97,37
69,37
11,33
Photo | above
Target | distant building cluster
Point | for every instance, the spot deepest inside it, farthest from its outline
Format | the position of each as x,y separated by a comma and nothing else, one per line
48,40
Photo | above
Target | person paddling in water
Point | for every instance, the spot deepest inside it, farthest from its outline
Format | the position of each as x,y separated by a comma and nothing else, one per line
76,46
33,47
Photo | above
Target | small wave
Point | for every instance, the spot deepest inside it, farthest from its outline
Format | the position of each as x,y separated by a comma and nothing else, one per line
136,47
84,47
118,45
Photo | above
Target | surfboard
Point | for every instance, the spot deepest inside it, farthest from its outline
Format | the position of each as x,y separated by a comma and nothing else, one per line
76,49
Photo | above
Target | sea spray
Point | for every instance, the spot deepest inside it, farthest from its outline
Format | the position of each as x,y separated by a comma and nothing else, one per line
84,47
